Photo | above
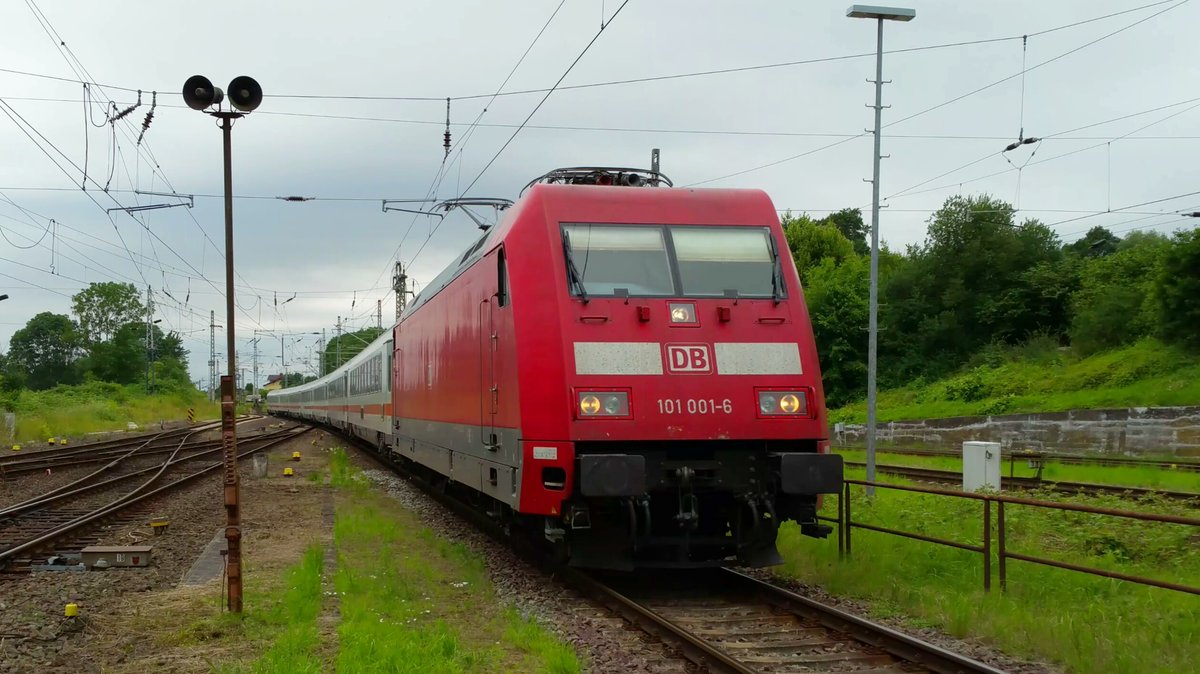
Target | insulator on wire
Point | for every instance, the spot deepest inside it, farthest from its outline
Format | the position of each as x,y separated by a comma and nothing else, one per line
446,136
149,116
130,109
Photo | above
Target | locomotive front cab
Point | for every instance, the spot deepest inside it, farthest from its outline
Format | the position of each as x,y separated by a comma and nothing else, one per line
698,418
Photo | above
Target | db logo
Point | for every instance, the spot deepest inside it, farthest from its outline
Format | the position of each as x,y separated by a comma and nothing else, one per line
689,358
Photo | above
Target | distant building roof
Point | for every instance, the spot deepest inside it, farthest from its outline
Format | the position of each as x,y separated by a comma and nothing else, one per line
272,378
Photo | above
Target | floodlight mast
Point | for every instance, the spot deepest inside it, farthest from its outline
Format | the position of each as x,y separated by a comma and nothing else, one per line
879,14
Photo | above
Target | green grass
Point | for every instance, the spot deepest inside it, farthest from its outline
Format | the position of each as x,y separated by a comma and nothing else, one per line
288,624
1085,623
407,600
414,602
1147,373
1127,476
96,407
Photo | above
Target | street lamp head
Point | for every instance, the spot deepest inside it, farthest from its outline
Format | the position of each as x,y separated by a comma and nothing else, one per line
874,12
244,93
3,297
199,93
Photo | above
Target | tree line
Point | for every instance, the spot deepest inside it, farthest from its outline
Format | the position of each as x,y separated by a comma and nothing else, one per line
104,339
980,280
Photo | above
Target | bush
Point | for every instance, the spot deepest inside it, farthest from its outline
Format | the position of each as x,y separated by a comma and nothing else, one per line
1177,290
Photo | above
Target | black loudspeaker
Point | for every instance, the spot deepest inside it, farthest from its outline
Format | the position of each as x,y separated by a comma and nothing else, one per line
244,93
199,93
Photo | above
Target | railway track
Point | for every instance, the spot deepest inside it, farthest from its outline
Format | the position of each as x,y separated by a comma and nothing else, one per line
97,452
726,621
954,477
722,620
54,518
1188,465
154,445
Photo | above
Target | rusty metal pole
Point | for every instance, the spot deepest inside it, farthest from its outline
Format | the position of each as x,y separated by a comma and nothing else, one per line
233,531
849,523
987,545
1002,546
841,516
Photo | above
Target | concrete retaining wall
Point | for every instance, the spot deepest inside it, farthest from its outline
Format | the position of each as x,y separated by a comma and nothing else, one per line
1134,430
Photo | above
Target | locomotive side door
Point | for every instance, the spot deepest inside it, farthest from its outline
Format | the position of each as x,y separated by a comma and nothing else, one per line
489,393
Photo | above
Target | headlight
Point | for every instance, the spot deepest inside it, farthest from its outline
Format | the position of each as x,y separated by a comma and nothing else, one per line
603,404
589,404
682,312
783,403
767,403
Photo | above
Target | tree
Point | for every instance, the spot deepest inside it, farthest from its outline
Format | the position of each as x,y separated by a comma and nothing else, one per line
293,379
1098,242
836,295
849,222
1177,290
1113,305
122,359
973,281
811,242
102,308
45,351
343,348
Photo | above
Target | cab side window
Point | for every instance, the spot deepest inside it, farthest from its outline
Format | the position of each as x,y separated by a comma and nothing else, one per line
501,279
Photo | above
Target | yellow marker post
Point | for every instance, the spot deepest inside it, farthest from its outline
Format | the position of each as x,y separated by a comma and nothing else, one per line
71,610
295,456
16,448
51,441
288,472
63,442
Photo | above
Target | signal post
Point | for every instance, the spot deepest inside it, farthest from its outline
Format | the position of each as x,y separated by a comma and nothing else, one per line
245,95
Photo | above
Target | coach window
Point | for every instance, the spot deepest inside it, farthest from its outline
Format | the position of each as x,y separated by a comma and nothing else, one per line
501,279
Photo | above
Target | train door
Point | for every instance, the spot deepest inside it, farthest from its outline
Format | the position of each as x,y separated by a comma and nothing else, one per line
489,393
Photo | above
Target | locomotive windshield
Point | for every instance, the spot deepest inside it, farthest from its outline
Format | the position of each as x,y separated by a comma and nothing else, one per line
671,261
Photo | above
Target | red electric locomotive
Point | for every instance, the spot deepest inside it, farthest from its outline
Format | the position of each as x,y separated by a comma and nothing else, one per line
625,369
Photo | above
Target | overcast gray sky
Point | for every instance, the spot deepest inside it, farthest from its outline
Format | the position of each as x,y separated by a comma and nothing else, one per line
335,254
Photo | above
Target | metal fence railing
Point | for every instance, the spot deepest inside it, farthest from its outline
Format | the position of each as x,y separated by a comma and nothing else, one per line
846,524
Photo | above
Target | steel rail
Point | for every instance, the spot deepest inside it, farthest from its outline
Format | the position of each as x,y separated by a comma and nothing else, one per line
53,459
108,466
44,500
896,643
949,477
31,454
125,502
36,465
710,655
694,648
37,453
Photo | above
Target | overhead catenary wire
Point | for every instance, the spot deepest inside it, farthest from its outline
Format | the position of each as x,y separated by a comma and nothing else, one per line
81,72
10,112
461,144
658,78
912,191
956,98
537,107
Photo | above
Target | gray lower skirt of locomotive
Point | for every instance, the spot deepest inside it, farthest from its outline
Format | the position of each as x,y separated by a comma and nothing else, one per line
623,478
